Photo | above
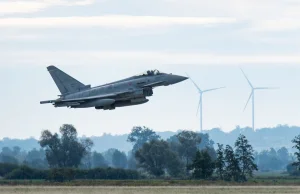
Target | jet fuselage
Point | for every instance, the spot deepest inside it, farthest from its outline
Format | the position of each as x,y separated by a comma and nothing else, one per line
126,92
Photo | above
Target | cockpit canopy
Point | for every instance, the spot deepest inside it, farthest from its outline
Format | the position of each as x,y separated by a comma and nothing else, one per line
150,73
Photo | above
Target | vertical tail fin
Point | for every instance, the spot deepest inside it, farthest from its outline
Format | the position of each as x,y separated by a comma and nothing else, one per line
65,83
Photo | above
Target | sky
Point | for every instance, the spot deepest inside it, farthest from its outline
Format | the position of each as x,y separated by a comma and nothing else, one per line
105,40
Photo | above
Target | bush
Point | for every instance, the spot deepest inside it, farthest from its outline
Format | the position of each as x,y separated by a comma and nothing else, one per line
6,168
293,170
107,173
66,174
24,172
61,174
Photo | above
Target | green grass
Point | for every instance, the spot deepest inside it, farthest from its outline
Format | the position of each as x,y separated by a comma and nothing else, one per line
271,174
258,181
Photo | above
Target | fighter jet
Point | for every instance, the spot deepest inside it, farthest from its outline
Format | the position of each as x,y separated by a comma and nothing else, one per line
126,92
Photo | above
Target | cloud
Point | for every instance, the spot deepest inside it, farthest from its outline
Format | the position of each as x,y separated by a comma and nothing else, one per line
283,24
261,15
29,6
125,21
142,58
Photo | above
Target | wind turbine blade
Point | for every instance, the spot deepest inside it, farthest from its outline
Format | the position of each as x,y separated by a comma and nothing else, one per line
212,89
194,83
247,78
248,100
266,88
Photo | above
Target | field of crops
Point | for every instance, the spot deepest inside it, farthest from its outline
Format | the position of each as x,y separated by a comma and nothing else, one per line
147,190
262,184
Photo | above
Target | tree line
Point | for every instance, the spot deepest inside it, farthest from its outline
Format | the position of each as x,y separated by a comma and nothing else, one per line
185,155
15,172
273,160
43,158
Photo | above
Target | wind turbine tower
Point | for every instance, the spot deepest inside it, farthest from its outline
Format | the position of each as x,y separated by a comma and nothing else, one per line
252,96
200,105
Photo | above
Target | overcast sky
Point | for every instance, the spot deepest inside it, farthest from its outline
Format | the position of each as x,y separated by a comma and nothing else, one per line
106,40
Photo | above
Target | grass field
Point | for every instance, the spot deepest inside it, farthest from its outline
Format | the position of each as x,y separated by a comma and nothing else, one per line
148,190
258,181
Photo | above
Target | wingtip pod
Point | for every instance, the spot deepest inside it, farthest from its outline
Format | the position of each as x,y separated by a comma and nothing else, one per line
47,102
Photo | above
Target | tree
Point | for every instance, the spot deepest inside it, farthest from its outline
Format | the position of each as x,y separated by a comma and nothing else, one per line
64,151
267,160
208,145
154,157
211,151
8,159
283,155
292,170
131,161
35,154
6,151
273,153
36,159
296,141
108,155
86,161
37,164
220,162
245,155
98,161
205,141
16,151
8,156
119,159
175,145
189,142
203,165
232,169
141,135
175,167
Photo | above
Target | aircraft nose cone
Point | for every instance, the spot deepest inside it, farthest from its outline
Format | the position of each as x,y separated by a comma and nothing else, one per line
176,79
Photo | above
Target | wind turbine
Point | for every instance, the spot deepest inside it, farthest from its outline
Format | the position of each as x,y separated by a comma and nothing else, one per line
200,105
253,89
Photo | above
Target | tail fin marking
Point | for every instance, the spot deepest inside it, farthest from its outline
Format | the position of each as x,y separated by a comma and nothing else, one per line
65,83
